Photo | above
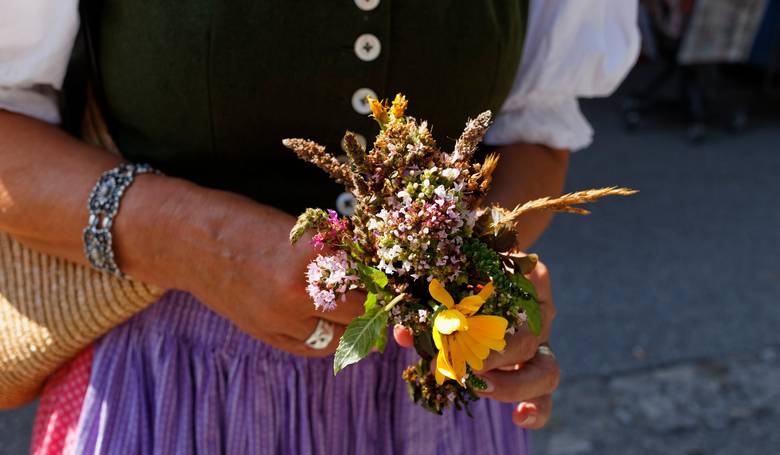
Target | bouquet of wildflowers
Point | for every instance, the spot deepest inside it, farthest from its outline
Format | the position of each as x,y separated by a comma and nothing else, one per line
428,254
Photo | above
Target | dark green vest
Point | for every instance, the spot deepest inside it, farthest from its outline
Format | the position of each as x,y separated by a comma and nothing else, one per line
208,89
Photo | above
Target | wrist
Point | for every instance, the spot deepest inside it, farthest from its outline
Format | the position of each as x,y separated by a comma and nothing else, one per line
176,234
154,213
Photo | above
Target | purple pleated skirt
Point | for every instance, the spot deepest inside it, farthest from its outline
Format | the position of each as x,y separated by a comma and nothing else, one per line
179,379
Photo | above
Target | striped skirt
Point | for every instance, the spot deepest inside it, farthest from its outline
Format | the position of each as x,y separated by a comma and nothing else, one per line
179,379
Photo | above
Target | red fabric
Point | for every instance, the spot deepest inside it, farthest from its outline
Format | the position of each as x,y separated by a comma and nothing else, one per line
59,409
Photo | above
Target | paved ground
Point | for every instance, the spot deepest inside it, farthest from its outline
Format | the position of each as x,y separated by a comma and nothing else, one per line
668,326
669,316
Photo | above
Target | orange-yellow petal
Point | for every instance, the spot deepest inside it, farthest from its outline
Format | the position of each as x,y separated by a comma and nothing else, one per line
376,107
443,365
492,343
461,343
440,365
437,339
399,106
449,321
489,331
457,358
470,305
489,326
479,349
440,294
486,291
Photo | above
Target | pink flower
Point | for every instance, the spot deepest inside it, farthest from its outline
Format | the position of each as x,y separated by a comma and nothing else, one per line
330,277
318,241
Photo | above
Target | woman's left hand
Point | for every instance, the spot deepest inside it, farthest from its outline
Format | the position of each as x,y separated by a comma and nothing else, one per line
526,372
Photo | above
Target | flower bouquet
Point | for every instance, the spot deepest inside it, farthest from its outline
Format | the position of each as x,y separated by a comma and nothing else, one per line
428,254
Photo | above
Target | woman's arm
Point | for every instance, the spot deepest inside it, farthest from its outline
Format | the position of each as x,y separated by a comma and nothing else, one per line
232,253
526,172
45,179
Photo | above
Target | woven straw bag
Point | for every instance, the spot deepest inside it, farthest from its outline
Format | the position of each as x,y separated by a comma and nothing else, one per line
50,308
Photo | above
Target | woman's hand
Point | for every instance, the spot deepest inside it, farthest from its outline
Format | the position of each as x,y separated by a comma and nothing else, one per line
523,373
232,253
235,256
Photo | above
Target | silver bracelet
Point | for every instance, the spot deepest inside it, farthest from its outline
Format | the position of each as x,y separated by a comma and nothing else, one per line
103,206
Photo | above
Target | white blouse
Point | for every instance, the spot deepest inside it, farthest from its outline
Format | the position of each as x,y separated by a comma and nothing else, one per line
573,49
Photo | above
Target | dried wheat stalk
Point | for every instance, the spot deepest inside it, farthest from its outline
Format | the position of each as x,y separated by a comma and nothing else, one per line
471,137
565,203
315,153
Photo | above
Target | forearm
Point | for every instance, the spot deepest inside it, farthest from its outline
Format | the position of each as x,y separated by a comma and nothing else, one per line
526,172
163,226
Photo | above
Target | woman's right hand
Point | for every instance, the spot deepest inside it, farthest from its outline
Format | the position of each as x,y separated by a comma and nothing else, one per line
240,264
230,252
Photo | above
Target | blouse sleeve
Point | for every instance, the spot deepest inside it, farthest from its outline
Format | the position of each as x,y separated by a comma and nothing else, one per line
36,40
573,49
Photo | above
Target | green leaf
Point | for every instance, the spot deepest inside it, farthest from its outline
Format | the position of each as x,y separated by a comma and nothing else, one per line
374,279
381,342
371,302
361,335
519,280
423,344
534,321
531,306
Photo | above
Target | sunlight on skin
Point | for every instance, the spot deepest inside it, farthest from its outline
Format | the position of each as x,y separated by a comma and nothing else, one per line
6,202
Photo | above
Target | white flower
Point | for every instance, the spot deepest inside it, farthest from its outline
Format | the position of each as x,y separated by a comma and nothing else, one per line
450,173
405,197
373,225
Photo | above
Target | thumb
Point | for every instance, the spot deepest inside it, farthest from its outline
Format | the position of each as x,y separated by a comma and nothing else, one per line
403,336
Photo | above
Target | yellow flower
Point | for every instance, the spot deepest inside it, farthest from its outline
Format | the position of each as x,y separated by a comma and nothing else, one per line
399,106
460,336
378,109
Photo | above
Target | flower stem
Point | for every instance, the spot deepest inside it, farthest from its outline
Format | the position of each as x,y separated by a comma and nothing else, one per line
393,302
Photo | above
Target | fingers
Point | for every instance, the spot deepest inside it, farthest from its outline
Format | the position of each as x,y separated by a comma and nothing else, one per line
296,344
540,277
403,336
346,310
538,377
533,414
520,348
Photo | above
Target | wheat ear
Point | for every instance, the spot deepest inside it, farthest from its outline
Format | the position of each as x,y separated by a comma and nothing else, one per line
566,202
315,153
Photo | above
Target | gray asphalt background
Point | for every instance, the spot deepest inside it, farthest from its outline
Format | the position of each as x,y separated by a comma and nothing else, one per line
685,274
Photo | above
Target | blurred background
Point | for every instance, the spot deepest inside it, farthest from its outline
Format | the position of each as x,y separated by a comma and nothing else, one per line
669,302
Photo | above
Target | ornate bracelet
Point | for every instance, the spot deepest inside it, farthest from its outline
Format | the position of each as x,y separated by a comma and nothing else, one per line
103,206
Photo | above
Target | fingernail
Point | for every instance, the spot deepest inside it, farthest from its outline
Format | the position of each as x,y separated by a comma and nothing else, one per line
403,336
527,408
527,413
489,387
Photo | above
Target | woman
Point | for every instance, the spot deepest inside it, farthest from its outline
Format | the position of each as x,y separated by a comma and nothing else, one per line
205,91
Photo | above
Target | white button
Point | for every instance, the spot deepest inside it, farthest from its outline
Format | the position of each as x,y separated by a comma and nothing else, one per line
367,47
345,204
367,5
359,101
360,139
